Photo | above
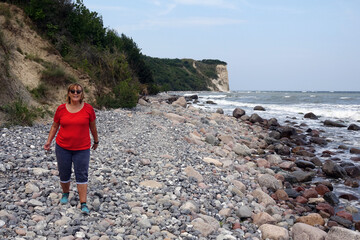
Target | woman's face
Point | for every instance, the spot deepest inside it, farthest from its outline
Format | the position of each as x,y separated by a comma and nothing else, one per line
75,94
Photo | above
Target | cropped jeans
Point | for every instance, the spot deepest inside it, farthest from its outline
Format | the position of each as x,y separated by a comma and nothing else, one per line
65,160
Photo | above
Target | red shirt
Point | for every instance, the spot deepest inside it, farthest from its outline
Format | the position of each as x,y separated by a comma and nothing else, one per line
74,131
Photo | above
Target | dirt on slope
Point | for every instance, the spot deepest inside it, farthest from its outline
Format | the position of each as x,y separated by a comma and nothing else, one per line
22,54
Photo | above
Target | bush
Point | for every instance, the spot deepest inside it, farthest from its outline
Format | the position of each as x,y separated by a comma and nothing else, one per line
56,75
19,113
40,92
125,96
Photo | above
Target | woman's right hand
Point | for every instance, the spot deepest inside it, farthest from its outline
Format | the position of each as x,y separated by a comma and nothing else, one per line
47,146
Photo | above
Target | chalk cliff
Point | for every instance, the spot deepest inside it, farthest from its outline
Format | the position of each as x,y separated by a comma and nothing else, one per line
221,83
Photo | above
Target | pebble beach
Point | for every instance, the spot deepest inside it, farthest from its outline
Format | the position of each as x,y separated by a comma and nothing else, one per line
168,170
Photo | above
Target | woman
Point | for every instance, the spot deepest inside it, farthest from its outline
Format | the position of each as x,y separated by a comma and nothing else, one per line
73,143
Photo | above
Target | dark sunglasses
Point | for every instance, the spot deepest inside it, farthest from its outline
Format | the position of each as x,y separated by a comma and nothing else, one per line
77,91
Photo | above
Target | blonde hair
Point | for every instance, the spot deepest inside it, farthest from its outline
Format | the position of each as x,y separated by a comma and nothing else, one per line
74,86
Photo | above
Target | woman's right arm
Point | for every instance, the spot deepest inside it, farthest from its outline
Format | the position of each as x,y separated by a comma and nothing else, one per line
53,130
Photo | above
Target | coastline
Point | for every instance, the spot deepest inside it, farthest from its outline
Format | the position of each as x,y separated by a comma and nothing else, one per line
167,171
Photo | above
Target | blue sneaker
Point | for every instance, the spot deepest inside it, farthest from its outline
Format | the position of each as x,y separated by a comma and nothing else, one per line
65,198
84,209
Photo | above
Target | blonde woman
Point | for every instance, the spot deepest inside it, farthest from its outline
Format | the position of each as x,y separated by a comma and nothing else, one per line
75,118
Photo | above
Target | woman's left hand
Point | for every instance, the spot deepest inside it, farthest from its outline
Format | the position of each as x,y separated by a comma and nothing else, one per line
94,146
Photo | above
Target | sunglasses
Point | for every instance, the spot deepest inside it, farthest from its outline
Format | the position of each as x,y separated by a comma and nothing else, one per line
77,91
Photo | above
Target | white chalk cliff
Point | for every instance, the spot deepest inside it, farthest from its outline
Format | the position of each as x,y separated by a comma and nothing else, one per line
221,83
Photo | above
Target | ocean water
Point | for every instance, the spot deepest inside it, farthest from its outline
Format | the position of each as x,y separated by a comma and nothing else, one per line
288,106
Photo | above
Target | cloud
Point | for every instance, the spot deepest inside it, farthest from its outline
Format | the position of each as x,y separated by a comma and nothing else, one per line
215,3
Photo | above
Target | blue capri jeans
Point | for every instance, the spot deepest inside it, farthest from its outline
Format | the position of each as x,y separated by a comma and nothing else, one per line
65,160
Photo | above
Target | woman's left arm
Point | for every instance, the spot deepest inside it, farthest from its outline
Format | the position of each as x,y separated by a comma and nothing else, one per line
94,134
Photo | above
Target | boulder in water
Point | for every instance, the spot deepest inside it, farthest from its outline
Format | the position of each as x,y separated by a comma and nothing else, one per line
332,169
259,108
330,123
310,115
354,127
238,112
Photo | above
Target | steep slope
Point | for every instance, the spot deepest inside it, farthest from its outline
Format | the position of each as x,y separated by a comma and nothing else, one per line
25,60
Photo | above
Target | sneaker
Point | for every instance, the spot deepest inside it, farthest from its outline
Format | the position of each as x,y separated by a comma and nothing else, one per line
65,198
85,209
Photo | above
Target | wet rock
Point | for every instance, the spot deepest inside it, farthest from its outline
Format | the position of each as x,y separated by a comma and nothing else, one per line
322,189
255,118
220,111
238,112
304,164
355,150
318,140
259,108
332,169
301,176
326,208
349,197
354,127
345,215
342,221
330,123
310,115
331,198
287,131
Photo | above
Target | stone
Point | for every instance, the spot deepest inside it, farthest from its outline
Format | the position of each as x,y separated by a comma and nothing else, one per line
310,115
302,176
181,101
191,172
310,193
326,208
270,182
304,164
332,169
262,218
354,150
311,219
302,231
353,127
259,108
331,198
337,233
220,111
263,198
345,215
151,184
330,123
281,195
255,118
274,159
205,225
244,212
212,161
270,231
242,150
238,112
342,221
321,189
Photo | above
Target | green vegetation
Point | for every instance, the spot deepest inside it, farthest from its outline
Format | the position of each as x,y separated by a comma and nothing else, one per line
183,74
20,114
40,93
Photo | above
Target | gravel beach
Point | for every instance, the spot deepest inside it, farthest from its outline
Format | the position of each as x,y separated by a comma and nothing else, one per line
167,170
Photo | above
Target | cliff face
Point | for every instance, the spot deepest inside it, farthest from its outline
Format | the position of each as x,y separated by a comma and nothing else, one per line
221,83
24,56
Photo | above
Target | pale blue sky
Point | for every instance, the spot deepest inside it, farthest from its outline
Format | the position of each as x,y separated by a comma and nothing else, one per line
300,45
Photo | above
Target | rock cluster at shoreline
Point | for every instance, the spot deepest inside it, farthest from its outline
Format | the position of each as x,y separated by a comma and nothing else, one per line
164,171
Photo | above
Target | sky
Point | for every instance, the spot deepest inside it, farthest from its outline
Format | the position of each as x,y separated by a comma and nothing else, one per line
284,45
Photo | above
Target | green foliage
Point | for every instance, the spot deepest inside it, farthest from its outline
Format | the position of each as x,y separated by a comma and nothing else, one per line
20,114
40,92
5,11
55,75
181,75
34,58
125,95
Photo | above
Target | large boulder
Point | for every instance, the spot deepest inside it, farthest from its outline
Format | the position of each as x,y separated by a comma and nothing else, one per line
302,231
255,118
336,233
332,169
330,123
238,112
310,115
259,108
181,101
270,182
354,127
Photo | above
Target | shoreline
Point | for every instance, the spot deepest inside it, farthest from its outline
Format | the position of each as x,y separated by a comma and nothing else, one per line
166,171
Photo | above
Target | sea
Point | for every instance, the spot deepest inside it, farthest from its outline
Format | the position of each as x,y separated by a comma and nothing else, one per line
289,107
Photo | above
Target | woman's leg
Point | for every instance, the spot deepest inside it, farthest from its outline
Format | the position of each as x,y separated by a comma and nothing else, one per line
81,167
64,161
